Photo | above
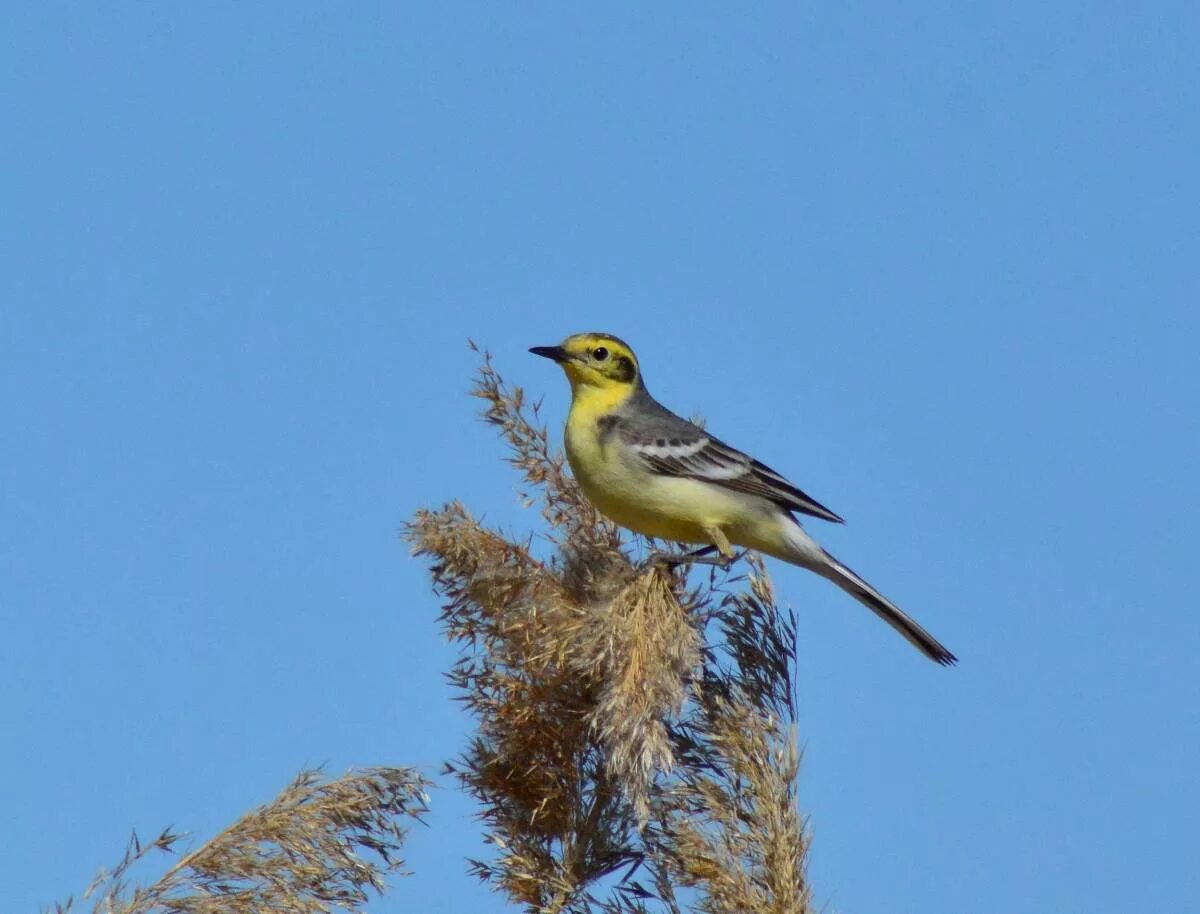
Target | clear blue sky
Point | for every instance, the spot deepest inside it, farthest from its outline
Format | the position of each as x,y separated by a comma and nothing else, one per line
939,264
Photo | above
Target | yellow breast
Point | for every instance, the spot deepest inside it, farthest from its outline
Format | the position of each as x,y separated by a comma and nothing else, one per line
625,491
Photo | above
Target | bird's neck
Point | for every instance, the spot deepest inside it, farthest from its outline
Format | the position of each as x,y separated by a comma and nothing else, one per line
589,401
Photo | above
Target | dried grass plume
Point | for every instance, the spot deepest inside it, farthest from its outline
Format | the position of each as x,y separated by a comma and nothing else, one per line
635,729
320,845
635,745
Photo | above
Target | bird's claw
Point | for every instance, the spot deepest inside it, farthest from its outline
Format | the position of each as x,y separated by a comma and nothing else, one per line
698,557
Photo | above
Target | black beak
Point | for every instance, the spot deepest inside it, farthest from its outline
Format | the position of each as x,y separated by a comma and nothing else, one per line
554,353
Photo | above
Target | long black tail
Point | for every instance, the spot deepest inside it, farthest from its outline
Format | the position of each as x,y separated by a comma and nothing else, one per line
888,611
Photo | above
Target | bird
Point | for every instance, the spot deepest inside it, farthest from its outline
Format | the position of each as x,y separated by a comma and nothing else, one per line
657,474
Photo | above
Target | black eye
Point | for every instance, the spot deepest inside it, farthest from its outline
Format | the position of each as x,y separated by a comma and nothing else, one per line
599,353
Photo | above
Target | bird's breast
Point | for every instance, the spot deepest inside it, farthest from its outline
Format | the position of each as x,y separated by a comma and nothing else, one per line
594,456
626,491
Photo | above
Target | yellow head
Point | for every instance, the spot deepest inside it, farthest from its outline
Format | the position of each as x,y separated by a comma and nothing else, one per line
596,362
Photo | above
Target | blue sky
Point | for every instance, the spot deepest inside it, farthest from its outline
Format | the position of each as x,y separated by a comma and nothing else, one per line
939,264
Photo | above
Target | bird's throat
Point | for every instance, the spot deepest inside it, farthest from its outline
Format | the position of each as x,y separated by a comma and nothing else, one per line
589,401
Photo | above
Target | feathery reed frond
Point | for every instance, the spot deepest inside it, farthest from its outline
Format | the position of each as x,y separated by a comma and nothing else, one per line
731,825
320,844
621,752
644,654
636,735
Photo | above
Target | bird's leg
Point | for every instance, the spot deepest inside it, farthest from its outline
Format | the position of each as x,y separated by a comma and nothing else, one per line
671,559
724,562
703,555
722,545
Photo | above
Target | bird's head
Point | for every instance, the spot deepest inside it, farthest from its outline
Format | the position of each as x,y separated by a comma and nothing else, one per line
595,360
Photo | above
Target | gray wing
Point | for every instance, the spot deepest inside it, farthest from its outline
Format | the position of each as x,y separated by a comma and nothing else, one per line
673,446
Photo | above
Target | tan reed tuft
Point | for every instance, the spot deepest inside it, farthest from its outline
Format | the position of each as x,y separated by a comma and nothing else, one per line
320,844
635,747
635,732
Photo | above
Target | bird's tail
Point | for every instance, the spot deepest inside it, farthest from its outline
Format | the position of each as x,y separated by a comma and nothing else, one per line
806,552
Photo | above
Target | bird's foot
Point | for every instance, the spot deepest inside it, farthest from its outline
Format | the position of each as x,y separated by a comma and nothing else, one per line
702,556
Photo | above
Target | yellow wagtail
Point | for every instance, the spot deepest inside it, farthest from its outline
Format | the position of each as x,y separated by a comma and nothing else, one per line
662,476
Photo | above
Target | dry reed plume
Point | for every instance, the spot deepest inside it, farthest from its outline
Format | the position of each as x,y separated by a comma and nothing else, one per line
634,733
635,749
320,845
